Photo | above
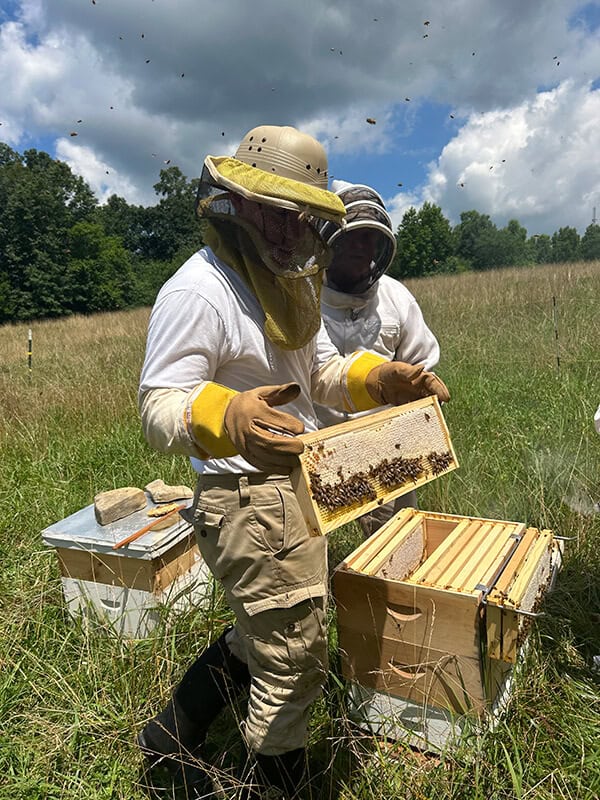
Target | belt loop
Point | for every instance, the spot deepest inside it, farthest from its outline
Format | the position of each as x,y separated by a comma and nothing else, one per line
244,489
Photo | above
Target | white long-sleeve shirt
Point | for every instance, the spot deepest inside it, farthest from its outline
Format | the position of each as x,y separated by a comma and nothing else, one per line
385,319
206,325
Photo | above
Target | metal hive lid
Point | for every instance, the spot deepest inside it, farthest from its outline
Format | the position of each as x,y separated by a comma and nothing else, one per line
81,531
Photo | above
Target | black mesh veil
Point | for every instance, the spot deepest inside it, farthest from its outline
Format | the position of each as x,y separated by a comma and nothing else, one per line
364,209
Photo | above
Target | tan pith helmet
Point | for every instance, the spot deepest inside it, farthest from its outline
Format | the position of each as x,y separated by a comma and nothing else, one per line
278,166
285,151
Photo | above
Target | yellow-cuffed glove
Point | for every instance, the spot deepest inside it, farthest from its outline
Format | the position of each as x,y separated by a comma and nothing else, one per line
396,382
252,425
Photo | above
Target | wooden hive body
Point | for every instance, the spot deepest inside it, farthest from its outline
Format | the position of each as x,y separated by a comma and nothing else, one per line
348,469
434,607
124,589
149,575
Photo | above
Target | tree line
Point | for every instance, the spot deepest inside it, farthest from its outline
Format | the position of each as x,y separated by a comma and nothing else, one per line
63,252
428,244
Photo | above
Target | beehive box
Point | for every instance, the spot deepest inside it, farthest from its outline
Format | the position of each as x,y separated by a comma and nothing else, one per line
346,470
433,610
127,590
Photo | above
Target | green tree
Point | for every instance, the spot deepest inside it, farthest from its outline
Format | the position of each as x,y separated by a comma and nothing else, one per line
118,218
8,156
40,201
541,247
484,246
425,243
468,235
590,243
516,249
171,227
489,250
100,272
407,261
565,245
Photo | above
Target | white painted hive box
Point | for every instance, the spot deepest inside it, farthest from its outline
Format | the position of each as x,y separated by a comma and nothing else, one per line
346,470
127,590
434,608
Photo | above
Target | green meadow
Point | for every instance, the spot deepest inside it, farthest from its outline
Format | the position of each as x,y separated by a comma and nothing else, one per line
520,354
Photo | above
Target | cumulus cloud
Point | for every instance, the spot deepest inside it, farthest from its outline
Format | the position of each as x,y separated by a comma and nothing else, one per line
102,179
350,133
400,203
534,162
156,81
29,76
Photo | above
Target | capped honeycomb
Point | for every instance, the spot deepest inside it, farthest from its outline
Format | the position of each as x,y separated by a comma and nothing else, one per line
350,468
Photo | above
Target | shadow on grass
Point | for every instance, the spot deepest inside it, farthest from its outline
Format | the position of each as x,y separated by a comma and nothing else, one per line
570,627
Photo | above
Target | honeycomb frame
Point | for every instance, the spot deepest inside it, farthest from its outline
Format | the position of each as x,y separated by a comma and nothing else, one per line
349,469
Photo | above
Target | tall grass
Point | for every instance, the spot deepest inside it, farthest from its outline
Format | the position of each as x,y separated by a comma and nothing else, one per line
72,697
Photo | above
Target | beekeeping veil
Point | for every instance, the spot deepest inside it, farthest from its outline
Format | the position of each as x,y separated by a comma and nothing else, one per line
364,209
261,207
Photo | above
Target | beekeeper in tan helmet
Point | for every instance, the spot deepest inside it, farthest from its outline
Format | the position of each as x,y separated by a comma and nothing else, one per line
235,355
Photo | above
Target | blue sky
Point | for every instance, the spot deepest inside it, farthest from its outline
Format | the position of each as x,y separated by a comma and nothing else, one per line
418,140
485,104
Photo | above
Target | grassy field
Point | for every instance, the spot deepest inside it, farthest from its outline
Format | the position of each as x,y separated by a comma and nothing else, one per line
521,357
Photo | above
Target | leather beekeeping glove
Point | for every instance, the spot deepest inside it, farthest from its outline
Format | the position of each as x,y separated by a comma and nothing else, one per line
395,382
252,423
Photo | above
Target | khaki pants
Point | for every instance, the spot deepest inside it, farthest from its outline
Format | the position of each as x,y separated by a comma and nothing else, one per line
253,538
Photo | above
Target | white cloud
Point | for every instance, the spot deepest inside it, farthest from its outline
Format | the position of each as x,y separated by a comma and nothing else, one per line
63,86
101,178
29,76
350,133
398,205
180,75
536,162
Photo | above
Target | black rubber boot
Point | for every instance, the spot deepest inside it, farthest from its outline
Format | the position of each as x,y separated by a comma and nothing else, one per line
213,681
170,736
286,772
173,738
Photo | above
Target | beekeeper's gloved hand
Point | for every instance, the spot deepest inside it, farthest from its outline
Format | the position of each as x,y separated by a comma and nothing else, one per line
250,420
395,382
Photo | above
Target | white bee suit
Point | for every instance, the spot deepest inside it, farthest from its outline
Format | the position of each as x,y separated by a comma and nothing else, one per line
207,326
386,319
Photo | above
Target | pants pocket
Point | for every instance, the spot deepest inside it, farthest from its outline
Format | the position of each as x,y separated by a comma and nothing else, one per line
208,526
289,645
268,521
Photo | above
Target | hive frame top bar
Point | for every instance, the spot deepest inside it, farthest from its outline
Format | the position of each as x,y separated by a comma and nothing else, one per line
485,558
349,469
368,420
